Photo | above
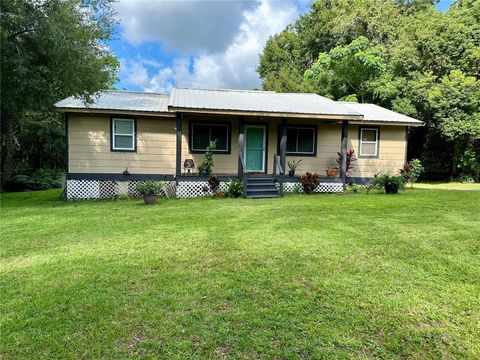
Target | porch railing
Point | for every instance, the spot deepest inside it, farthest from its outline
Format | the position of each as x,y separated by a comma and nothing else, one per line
244,174
277,165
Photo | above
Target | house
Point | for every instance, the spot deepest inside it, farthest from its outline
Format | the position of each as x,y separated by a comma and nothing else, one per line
125,137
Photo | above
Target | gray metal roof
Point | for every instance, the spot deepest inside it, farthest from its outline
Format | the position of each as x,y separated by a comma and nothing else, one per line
119,100
256,101
372,112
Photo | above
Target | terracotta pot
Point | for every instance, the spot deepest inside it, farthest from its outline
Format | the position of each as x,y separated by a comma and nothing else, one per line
331,172
150,199
220,194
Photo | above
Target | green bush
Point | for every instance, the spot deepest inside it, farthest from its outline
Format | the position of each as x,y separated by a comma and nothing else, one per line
149,188
41,179
385,181
234,188
205,168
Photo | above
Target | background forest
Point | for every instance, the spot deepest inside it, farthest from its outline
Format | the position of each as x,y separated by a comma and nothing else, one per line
404,55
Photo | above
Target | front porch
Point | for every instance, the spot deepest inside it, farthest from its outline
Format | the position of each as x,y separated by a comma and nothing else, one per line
250,146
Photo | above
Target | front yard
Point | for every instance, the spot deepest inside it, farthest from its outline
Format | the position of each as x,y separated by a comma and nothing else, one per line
324,276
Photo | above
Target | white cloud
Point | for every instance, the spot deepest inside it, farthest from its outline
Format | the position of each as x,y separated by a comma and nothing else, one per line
231,67
182,26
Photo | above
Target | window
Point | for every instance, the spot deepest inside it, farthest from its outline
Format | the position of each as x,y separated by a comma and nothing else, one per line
368,142
201,135
301,140
123,134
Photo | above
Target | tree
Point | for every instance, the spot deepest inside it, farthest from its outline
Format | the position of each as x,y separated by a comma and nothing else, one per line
403,55
349,67
50,50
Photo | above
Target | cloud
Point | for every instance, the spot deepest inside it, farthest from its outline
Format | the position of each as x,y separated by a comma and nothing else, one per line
181,26
233,66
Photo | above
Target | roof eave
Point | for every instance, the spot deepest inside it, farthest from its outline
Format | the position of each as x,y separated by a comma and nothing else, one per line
394,123
268,114
115,111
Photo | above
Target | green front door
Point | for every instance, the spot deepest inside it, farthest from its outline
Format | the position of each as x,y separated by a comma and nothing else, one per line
255,148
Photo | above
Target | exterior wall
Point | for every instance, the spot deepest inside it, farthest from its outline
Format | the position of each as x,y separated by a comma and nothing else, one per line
89,146
392,151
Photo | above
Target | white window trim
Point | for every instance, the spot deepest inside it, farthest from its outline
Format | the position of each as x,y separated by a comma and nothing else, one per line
313,138
369,142
210,136
114,134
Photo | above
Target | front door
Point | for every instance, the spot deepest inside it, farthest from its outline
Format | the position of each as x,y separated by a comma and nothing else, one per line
255,143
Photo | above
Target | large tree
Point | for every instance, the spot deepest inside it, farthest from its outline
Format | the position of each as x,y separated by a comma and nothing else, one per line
404,55
49,50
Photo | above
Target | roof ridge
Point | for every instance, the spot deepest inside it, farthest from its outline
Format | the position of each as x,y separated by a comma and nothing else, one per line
134,92
228,90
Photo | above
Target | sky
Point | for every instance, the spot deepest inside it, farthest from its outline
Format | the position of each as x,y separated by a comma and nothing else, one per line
198,43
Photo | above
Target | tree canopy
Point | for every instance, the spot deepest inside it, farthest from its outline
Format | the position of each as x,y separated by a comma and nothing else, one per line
404,55
49,50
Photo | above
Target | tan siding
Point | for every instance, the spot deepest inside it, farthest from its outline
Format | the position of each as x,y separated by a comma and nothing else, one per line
89,146
392,148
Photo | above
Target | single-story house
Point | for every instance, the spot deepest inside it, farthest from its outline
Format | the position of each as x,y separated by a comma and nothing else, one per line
125,137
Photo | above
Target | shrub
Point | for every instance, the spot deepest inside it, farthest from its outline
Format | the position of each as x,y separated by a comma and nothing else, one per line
350,162
234,188
213,182
385,181
309,182
205,168
469,165
41,179
411,171
148,188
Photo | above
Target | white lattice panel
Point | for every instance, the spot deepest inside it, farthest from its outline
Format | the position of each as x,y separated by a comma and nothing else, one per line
83,189
107,189
321,188
197,188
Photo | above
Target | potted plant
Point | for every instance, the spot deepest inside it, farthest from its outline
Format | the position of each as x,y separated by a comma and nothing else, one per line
293,165
150,190
332,171
391,183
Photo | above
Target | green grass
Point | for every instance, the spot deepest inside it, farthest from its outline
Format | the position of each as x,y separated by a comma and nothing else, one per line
327,276
447,186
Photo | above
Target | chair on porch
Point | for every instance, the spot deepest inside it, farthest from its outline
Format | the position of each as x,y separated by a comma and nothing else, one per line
189,167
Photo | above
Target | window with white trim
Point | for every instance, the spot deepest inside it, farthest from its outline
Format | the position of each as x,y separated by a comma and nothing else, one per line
368,142
202,134
301,140
123,134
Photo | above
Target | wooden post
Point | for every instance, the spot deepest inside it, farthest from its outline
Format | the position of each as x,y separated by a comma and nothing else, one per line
344,150
178,169
241,144
283,145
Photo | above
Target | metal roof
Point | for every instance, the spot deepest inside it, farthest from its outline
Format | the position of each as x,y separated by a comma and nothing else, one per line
372,112
256,102
119,100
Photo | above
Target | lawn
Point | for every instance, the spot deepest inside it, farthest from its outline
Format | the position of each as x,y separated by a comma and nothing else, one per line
325,276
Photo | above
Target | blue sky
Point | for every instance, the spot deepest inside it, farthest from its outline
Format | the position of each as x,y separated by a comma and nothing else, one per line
198,43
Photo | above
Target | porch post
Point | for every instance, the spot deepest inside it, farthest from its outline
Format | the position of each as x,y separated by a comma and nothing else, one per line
283,144
343,169
241,143
178,169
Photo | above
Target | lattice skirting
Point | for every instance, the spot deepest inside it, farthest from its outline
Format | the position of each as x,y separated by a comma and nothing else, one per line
321,188
108,189
196,188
